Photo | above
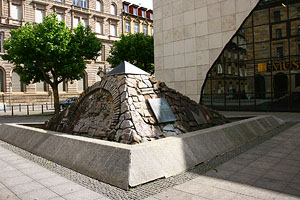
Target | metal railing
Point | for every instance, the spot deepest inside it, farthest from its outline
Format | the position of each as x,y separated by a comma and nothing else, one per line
29,109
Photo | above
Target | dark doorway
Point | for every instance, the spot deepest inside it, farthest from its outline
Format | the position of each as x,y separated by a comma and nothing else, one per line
280,85
260,87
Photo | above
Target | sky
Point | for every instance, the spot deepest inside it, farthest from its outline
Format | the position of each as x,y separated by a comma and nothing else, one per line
144,3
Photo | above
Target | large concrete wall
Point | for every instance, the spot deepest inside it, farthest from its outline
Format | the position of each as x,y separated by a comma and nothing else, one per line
190,35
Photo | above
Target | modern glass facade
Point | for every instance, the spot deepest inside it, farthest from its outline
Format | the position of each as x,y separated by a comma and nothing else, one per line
259,69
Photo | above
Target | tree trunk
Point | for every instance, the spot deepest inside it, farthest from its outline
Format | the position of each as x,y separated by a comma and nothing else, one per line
56,98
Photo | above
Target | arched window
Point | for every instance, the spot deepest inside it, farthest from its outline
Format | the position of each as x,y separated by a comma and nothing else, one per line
82,83
17,85
41,87
113,9
2,80
63,86
99,5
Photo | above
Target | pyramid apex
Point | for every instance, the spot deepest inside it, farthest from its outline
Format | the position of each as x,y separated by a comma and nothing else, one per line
126,68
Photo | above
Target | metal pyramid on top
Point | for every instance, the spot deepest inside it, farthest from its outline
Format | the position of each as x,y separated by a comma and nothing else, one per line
126,68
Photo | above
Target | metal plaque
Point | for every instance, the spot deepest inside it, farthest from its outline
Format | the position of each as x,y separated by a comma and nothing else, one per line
161,110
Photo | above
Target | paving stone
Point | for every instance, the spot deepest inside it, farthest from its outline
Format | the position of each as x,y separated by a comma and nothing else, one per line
243,178
219,173
281,176
261,164
66,188
52,181
293,189
38,194
229,166
271,184
254,171
42,175
5,194
173,194
10,174
28,187
18,180
286,169
269,159
84,194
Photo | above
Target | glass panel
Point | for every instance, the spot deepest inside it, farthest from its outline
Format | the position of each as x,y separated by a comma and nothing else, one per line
279,31
260,17
295,46
15,11
280,49
98,6
278,13
261,33
294,10
262,50
247,101
295,28
60,17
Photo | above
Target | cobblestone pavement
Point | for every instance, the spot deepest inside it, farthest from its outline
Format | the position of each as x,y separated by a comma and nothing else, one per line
271,170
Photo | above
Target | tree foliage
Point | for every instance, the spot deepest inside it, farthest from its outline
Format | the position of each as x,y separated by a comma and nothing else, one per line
51,52
137,49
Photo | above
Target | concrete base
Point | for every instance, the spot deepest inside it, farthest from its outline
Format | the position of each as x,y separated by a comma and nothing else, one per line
131,165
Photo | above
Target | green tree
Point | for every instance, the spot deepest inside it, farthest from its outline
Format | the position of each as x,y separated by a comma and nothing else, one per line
51,52
137,49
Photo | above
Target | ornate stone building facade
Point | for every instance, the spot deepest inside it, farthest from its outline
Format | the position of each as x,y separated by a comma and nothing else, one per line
104,17
137,19
231,54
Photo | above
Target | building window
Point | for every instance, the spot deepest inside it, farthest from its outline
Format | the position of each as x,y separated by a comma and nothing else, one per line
99,28
2,80
84,22
113,9
126,8
278,33
113,30
152,31
127,27
15,11
220,69
83,3
39,15
59,1
299,12
151,16
98,5
299,48
299,30
143,13
75,22
1,42
103,53
76,2
279,52
145,29
277,17
60,17
135,11
136,28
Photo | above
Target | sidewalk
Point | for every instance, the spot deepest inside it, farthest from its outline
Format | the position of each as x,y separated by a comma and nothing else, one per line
23,179
270,170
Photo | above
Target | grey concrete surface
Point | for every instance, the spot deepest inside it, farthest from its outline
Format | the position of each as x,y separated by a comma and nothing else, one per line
271,170
131,165
21,179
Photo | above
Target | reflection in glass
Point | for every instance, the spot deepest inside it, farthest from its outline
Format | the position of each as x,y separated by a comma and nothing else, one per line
259,69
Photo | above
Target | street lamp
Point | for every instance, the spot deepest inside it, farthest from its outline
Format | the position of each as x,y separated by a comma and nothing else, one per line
101,72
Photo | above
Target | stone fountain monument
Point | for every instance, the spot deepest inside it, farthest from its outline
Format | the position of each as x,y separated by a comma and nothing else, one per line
129,106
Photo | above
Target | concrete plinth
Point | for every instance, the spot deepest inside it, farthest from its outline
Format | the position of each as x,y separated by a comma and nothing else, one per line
131,165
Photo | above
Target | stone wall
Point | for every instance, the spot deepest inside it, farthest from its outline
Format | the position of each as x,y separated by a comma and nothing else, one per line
116,109
190,35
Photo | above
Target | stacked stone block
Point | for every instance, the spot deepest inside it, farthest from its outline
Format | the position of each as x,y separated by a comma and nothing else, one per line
116,109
